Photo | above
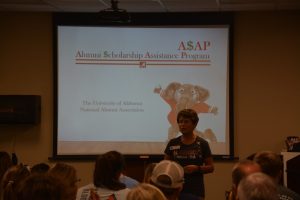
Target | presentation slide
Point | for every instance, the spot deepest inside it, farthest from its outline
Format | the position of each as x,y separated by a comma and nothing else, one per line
120,88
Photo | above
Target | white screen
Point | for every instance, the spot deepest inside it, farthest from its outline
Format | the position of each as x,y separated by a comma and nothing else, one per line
113,83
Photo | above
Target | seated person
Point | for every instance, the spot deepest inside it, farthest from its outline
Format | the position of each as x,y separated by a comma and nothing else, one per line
168,176
41,186
272,165
67,175
5,163
106,181
239,171
11,180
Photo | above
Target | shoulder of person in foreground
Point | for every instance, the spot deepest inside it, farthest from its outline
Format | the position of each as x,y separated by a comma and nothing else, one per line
84,191
128,181
106,194
286,193
90,192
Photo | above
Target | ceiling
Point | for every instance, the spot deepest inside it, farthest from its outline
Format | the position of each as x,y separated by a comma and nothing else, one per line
148,5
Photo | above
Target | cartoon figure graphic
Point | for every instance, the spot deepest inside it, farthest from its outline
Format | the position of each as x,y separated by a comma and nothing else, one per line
181,96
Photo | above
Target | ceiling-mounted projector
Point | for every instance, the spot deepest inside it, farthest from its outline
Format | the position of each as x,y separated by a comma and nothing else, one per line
114,14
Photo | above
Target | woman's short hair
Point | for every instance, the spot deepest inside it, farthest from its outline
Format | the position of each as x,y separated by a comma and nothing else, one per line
145,191
188,114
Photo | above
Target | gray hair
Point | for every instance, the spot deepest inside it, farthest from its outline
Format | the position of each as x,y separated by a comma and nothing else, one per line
257,186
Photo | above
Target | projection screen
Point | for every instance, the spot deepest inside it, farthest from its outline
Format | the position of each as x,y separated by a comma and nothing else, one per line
119,88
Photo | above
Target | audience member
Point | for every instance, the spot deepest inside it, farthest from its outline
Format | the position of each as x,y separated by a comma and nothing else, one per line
128,181
257,186
67,175
168,176
239,171
192,152
106,182
148,172
40,168
12,179
5,163
145,191
40,186
272,165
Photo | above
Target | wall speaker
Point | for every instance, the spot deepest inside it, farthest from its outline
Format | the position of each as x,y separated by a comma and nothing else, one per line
20,109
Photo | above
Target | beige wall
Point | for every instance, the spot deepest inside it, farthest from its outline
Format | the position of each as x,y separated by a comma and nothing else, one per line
266,87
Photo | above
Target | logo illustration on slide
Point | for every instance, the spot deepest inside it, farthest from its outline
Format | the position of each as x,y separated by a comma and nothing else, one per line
182,96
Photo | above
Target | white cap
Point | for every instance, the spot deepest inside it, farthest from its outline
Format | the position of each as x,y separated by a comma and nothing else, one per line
168,174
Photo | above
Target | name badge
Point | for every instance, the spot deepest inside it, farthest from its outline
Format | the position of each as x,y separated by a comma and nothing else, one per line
174,147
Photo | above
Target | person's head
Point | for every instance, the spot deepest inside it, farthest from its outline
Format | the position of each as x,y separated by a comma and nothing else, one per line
187,120
242,169
168,176
145,191
12,179
67,175
270,163
148,172
40,186
5,163
40,168
189,114
257,186
108,168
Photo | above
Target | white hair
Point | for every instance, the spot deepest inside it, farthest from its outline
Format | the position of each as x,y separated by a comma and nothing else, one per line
257,186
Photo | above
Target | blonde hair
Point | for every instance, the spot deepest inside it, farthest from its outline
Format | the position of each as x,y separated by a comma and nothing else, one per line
145,191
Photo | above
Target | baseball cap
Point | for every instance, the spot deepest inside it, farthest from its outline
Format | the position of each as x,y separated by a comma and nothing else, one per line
168,174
